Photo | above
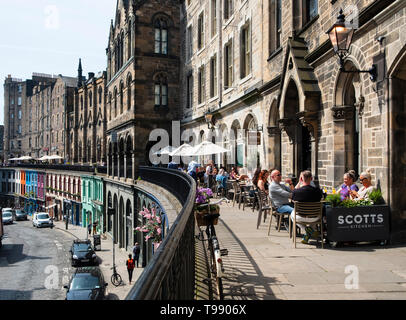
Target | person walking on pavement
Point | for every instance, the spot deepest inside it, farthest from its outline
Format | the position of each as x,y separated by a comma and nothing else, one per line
136,252
130,267
89,228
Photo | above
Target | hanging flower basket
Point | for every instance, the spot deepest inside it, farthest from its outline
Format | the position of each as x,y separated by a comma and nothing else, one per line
201,211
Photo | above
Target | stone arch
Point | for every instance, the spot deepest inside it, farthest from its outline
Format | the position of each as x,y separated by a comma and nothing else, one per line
129,157
121,97
115,218
121,222
273,148
236,140
251,152
121,151
129,224
129,96
395,186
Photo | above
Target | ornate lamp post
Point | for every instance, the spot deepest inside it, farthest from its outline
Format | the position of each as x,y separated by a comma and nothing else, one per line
341,35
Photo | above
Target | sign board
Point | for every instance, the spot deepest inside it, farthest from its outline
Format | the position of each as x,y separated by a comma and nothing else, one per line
254,138
366,223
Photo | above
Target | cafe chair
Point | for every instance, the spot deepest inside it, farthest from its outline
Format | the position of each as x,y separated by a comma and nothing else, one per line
264,206
277,215
308,210
237,192
248,198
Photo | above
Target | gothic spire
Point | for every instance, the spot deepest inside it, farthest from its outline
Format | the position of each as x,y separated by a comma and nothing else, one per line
80,72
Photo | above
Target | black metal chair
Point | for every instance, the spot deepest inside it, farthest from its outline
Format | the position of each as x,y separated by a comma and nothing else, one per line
264,206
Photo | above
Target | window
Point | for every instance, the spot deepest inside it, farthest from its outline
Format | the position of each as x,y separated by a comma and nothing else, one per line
81,103
200,32
245,52
228,9
19,101
90,96
189,50
12,101
213,18
228,66
275,25
12,116
20,88
100,95
189,97
161,95
19,144
161,36
121,98
19,129
129,93
303,12
19,114
213,76
29,142
115,102
201,88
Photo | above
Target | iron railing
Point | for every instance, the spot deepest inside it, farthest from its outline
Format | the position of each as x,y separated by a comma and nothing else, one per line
170,275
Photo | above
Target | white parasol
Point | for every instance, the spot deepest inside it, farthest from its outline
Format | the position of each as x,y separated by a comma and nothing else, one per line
183,150
208,148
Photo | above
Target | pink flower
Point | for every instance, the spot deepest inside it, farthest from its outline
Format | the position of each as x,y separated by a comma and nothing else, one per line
159,230
158,219
148,216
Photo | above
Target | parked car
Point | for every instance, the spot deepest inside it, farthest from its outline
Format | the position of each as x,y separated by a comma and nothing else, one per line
42,219
87,283
9,210
82,253
7,217
20,215
1,229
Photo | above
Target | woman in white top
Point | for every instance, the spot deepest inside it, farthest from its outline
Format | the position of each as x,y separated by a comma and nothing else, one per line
366,188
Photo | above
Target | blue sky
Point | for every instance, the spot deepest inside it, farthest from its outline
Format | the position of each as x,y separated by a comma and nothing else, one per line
50,36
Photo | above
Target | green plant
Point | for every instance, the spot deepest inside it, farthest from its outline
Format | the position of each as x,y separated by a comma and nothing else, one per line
376,197
348,203
334,200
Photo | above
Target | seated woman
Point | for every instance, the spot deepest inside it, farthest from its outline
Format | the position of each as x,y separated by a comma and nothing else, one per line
255,177
348,186
234,174
366,188
263,181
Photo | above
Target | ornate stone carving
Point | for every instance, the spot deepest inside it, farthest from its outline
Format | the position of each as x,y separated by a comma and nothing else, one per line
272,131
288,125
343,112
360,105
310,121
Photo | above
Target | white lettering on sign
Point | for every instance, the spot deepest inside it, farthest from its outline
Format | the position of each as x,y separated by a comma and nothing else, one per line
366,218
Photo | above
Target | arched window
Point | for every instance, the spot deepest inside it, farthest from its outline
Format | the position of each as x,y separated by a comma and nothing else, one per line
81,102
129,80
121,98
90,96
111,109
129,41
161,36
161,91
115,102
100,95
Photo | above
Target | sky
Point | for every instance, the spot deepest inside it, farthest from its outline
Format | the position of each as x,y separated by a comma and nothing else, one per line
50,36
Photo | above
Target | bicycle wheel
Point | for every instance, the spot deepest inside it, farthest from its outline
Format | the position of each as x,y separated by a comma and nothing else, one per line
116,279
220,288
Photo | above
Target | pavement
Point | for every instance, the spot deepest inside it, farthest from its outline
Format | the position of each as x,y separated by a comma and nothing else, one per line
106,261
262,267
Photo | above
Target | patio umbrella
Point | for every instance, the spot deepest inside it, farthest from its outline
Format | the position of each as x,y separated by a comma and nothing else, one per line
183,150
44,158
25,158
14,159
208,148
166,150
54,157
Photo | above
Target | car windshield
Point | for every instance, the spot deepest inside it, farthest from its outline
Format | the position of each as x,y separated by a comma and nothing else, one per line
81,247
19,212
7,214
85,282
43,216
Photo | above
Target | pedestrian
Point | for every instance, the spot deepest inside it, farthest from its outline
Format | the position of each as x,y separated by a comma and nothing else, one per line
136,252
89,228
130,267
95,227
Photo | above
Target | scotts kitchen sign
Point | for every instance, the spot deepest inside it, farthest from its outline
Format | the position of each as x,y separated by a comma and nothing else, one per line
358,224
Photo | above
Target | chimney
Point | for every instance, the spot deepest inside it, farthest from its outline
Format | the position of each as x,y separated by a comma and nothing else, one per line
91,75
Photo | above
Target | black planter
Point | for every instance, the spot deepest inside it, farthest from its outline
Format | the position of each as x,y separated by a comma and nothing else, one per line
365,223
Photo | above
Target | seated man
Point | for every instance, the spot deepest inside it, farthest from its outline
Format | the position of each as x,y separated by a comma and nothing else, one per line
280,193
307,193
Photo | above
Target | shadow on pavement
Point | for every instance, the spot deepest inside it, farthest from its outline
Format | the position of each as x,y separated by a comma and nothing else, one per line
243,279
112,296
14,253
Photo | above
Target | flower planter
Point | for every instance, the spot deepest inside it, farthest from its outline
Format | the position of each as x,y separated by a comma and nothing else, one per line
201,211
364,223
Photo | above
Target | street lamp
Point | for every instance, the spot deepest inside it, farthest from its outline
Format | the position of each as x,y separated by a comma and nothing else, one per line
341,35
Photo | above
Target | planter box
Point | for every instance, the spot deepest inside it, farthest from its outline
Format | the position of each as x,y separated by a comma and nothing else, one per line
366,223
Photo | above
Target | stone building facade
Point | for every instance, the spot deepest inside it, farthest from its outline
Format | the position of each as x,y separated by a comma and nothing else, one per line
87,122
142,80
311,114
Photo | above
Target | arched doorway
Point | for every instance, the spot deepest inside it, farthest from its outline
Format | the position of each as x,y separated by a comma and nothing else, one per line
251,152
299,150
236,144
128,217
121,223
273,149
397,149
115,219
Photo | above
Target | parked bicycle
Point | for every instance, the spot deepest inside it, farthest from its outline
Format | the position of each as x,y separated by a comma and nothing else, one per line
116,278
216,262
